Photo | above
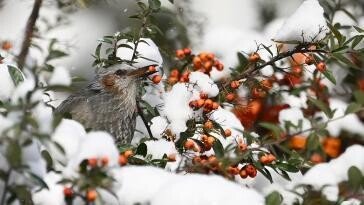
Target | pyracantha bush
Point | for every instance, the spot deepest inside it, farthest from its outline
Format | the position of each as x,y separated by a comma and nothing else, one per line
279,125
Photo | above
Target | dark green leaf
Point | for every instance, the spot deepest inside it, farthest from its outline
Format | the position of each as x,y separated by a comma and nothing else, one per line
155,5
53,54
340,57
47,157
357,40
328,74
359,96
276,130
98,49
218,148
142,149
23,194
16,74
360,30
286,167
353,108
355,177
13,154
313,142
126,46
322,106
273,198
39,180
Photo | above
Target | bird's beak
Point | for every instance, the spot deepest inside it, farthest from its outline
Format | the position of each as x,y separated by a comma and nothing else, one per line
142,72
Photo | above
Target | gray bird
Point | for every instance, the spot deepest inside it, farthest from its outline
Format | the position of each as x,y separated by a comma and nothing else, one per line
108,102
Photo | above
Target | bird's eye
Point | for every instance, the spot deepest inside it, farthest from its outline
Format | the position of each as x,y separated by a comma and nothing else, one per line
120,72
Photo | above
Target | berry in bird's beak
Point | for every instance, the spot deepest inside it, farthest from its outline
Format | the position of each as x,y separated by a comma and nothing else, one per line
144,71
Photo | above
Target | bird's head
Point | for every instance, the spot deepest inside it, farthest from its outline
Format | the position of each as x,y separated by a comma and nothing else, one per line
123,76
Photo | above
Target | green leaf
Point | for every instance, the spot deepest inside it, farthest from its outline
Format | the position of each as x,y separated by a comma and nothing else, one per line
353,108
39,180
360,30
13,154
274,198
313,142
155,5
322,106
126,46
23,194
142,149
336,33
15,74
218,148
47,157
328,74
359,96
356,41
340,57
98,50
355,177
286,167
272,127
53,54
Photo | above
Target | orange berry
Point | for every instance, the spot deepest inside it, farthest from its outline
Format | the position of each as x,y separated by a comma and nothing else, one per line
152,68
243,174
203,95
266,84
234,84
208,103
156,79
171,157
91,195
271,158
227,132
128,153
310,60
197,63
332,146
210,56
104,161
180,54
193,104
321,66
68,192
213,161
215,105
242,147
251,170
208,125
203,56
219,66
210,140
233,170
172,80
6,45
264,159
297,142
187,51
230,97
92,162
316,158
208,66
174,73
196,160
123,160
200,103
258,93
254,57
189,144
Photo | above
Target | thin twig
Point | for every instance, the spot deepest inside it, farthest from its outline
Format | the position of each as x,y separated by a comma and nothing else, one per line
141,114
29,30
6,184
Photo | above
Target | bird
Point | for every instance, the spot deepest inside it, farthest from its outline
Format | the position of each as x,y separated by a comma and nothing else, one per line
109,101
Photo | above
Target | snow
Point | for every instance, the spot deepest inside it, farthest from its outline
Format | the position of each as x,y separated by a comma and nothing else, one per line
22,89
295,116
194,189
176,108
158,125
60,76
96,144
328,175
68,134
160,147
6,83
305,23
204,82
52,196
149,184
147,50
